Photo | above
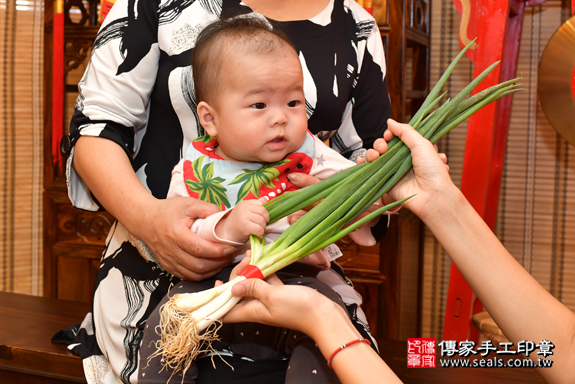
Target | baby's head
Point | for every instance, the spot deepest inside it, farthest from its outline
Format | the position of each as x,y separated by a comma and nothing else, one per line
248,83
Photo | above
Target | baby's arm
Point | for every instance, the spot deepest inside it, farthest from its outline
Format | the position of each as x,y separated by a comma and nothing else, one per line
248,217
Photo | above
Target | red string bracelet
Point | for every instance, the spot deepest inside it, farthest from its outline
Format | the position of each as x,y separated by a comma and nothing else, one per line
341,347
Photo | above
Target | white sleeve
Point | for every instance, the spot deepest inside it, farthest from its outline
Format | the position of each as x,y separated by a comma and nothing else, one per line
114,96
206,228
177,184
327,162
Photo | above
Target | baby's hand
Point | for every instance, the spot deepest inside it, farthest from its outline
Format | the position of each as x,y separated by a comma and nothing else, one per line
249,217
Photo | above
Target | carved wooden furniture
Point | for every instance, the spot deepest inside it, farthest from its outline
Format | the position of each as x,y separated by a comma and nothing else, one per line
406,36
387,276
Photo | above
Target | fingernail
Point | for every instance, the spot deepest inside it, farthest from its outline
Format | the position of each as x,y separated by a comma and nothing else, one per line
292,177
229,251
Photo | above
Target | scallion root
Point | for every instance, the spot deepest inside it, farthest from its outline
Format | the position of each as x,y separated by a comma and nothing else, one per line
181,340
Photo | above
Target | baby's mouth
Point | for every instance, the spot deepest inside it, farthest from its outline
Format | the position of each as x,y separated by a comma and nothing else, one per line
278,143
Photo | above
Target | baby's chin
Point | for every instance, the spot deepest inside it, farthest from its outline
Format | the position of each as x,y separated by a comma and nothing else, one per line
272,159
273,156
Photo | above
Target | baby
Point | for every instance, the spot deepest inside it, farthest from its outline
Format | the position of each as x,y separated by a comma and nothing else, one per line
248,84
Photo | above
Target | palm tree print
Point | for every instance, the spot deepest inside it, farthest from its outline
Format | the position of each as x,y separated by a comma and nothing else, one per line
253,179
208,188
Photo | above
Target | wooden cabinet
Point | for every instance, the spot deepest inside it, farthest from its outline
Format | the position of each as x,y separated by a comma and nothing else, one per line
387,275
405,28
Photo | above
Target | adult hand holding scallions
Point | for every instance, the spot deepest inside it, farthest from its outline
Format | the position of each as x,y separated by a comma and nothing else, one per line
346,195
326,323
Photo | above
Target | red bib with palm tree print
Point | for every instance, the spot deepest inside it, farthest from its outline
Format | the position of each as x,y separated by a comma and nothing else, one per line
211,178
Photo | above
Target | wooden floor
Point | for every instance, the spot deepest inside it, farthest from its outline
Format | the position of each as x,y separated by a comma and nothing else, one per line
27,324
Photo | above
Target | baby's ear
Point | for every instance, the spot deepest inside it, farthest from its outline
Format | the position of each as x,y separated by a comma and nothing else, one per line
206,115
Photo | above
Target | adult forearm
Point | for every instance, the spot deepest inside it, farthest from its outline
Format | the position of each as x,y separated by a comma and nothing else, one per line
358,363
521,307
112,180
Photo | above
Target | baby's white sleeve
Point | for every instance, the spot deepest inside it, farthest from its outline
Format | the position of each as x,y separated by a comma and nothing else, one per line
177,183
206,228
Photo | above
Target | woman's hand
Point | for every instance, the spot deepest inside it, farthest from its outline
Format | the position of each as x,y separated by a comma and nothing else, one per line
379,148
165,228
272,303
429,178
324,321
164,225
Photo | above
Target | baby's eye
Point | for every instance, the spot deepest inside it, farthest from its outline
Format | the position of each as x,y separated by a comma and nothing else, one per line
259,105
293,103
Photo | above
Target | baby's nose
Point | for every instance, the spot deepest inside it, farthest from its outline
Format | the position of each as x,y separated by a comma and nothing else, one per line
279,117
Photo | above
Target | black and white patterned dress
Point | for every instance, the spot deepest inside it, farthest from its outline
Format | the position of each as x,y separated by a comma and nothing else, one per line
137,91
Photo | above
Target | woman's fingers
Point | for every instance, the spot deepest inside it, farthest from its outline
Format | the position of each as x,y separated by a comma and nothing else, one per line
405,132
177,249
442,156
241,266
379,147
370,155
302,180
388,135
274,280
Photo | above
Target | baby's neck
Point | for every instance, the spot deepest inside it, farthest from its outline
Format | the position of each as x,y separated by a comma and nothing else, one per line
221,154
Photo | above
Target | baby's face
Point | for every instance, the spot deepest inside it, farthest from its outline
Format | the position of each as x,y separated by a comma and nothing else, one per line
260,111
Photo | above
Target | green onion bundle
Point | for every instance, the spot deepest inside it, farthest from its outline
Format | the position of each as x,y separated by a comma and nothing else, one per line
190,321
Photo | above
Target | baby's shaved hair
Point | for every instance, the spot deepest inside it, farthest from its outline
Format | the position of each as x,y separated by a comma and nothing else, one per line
237,35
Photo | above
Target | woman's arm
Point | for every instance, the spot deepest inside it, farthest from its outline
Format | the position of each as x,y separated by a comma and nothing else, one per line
325,322
521,307
164,225
112,107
